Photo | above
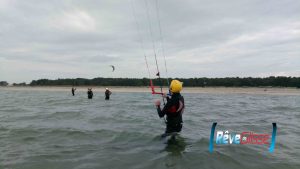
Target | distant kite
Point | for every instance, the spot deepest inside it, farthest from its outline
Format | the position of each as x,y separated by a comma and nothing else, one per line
113,67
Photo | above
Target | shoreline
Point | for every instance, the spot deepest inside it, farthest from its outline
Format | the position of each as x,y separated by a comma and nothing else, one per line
123,89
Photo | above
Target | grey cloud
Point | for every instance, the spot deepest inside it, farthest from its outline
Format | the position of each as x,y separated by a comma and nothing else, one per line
201,38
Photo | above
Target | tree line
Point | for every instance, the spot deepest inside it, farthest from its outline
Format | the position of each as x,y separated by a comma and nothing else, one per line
3,83
271,81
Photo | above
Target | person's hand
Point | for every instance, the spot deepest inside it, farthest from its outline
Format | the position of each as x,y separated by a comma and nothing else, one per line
164,95
157,103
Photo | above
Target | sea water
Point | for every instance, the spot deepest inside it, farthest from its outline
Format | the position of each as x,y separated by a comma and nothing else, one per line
52,129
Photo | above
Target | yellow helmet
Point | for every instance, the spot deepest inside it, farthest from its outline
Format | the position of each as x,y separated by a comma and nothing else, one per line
175,86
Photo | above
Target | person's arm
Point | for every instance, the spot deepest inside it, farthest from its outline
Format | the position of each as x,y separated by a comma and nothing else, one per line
162,112
159,111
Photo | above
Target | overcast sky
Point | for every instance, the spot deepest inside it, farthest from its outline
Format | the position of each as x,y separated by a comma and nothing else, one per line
200,38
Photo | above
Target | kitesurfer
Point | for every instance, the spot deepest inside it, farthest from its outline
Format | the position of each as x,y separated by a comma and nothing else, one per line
173,108
90,93
107,93
73,91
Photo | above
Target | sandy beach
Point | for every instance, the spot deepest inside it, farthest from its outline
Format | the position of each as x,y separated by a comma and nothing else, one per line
217,90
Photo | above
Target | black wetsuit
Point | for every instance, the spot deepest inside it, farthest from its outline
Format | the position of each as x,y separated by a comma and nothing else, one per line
173,110
90,94
107,94
73,91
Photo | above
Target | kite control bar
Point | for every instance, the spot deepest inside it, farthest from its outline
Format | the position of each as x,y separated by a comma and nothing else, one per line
153,88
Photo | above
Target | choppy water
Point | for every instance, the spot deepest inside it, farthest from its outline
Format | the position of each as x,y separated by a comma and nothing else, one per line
47,129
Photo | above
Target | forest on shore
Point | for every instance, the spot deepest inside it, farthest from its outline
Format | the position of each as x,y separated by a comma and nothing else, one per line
272,81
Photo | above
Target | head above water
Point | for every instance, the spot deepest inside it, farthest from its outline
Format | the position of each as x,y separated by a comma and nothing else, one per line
106,88
175,86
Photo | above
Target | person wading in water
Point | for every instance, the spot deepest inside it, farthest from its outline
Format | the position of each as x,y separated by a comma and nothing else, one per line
90,93
107,93
73,91
173,109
